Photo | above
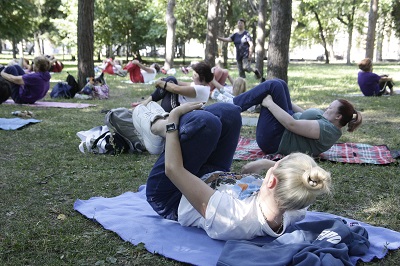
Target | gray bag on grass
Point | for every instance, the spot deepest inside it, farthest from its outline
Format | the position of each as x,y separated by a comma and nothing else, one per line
119,120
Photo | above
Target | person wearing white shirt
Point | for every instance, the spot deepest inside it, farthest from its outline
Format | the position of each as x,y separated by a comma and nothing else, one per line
192,184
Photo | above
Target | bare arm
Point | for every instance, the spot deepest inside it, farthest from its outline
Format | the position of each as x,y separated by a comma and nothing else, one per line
227,39
184,90
193,188
256,167
306,128
297,108
216,84
145,68
11,78
385,78
250,49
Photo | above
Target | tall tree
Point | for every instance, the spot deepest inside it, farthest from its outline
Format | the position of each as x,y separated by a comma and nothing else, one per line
190,27
396,16
278,46
85,40
66,27
212,31
11,14
171,31
346,15
383,23
372,18
261,34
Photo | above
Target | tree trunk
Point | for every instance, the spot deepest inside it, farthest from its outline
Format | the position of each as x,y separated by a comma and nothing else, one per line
260,42
372,18
171,32
212,32
379,41
323,40
349,42
37,44
85,41
14,48
278,46
350,28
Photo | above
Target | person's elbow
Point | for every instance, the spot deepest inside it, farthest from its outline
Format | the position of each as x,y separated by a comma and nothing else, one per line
290,125
172,170
169,168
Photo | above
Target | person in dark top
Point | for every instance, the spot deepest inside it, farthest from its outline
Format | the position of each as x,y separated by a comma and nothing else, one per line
244,49
31,87
372,84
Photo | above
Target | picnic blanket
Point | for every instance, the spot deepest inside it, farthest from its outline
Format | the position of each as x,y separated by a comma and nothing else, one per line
357,153
16,123
54,104
131,217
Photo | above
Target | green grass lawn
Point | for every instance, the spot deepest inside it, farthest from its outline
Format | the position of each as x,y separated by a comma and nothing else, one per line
42,172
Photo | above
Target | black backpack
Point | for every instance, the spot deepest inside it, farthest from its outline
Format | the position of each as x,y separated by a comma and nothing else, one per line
66,90
71,81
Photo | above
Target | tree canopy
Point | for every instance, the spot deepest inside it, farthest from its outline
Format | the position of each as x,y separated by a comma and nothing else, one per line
126,26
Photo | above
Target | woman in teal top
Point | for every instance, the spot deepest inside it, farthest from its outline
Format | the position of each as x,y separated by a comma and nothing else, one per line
283,127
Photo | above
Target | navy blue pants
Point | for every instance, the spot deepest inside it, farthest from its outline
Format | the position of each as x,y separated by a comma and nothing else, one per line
208,141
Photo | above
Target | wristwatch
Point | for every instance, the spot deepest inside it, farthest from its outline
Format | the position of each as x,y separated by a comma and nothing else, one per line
171,127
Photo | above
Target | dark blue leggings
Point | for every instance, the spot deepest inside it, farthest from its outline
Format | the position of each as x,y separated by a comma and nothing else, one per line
169,99
208,141
269,131
15,70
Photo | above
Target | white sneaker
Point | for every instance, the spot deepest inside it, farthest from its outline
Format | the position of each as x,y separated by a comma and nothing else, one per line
214,94
156,110
141,117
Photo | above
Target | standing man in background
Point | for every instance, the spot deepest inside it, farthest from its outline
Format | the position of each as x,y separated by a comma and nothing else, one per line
244,49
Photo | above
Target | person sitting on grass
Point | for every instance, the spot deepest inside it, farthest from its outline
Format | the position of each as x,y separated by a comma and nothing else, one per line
372,84
55,64
172,92
31,87
227,93
191,181
220,77
139,73
112,66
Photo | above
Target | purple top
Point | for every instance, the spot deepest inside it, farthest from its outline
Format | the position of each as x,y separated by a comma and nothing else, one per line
369,83
36,86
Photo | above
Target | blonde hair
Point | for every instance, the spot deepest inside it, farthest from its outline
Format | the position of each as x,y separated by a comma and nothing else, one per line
239,86
300,181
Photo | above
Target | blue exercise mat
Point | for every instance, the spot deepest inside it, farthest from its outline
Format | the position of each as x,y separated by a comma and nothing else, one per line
16,123
131,217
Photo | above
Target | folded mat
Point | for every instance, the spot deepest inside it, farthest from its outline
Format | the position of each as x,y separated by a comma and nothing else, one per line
131,217
15,123
54,104
358,153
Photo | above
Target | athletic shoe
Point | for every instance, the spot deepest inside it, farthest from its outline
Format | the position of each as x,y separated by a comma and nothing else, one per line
141,117
257,73
214,94
156,110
